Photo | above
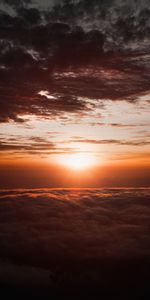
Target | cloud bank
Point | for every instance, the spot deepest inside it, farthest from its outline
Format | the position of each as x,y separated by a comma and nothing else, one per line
74,224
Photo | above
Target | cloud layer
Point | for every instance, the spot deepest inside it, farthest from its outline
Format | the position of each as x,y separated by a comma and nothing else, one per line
50,228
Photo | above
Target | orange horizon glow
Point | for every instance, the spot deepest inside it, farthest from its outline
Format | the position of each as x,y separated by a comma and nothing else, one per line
37,174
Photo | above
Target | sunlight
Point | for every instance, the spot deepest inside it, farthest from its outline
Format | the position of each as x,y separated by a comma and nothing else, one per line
78,161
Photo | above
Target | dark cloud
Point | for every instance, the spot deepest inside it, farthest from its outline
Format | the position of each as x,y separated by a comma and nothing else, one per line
16,3
82,236
75,49
123,125
25,147
32,145
32,276
43,146
21,98
117,125
121,22
112,141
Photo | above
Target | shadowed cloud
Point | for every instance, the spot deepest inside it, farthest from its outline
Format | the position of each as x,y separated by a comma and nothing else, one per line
79,235
99,45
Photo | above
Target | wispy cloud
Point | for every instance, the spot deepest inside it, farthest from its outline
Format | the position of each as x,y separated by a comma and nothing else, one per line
138,142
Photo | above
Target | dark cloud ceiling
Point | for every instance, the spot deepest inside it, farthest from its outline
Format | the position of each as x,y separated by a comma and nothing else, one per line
98,50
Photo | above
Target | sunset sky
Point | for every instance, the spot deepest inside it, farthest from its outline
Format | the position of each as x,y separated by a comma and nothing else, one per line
74,93
75,149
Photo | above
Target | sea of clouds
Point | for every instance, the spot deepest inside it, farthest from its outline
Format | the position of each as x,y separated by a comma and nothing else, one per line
74,236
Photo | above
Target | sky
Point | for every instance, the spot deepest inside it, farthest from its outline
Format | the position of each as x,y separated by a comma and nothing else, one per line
74,93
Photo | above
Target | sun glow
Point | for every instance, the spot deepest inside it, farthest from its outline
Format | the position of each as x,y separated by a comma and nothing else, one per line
78,161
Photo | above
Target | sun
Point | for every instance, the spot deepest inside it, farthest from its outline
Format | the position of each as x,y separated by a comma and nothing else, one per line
78,161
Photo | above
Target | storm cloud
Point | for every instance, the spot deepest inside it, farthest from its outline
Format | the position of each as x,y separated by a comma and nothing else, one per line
73,50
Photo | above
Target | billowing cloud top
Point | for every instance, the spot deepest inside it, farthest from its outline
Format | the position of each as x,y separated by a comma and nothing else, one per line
79,236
